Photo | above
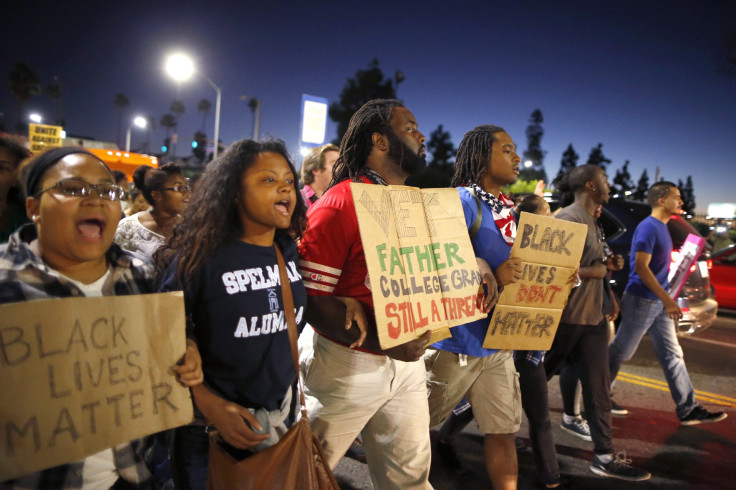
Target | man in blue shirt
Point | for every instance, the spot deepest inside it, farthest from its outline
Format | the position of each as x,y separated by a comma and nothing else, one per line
648,308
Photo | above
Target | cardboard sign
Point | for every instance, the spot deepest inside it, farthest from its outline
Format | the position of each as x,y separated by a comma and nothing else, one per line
79,375
528,312
422,268
681,268
42,137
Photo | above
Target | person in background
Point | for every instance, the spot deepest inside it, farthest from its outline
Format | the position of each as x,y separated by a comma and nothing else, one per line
649,309
317,172
68,251
122,180
167,191
12,208
582,336
137,203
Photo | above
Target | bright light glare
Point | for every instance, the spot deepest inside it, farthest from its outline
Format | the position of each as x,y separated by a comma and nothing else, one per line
62,134
528,163
140,121
179,66
36,118
304,151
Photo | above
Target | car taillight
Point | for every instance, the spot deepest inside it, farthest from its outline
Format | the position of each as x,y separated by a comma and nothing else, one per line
710,264
692,268
675,255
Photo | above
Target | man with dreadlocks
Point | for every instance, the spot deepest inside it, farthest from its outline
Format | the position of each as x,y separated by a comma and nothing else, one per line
460,366
380,394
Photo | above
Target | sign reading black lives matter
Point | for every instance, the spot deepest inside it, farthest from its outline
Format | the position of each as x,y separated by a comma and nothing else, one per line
528,312
422,269
79,375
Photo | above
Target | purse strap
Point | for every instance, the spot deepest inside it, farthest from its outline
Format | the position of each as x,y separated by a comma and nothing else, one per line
288,300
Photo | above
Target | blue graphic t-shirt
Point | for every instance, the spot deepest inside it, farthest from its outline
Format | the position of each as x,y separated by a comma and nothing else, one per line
239,324
651,236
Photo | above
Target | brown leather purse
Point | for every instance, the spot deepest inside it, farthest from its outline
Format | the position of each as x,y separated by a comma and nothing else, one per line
296,461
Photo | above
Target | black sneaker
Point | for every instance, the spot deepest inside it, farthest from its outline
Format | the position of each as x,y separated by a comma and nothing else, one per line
619,467
699,415
578,427
618,410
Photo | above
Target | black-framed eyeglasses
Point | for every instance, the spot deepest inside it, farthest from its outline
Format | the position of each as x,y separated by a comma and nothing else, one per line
178,188
79,188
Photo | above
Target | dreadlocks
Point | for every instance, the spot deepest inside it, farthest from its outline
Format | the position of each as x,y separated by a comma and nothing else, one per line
356,145
474,155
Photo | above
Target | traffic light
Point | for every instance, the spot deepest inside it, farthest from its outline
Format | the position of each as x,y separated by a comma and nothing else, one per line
165,146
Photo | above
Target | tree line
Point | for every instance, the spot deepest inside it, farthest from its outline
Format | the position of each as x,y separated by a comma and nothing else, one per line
371,83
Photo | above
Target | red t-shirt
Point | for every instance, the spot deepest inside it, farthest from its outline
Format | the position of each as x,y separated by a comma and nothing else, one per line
331,254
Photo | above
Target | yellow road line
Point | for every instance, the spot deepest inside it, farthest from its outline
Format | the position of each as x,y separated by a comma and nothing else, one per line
662,386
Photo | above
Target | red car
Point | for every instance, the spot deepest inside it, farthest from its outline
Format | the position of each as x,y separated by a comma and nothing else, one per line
723,277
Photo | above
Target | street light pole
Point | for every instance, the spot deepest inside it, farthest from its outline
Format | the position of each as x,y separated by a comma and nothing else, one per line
138,121
217,111
181,67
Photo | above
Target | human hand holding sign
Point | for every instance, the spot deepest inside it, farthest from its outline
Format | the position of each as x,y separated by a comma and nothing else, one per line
486,300
508,272
189,368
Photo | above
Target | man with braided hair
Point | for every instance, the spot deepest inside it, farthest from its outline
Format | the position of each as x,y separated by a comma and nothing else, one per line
460,366
351,390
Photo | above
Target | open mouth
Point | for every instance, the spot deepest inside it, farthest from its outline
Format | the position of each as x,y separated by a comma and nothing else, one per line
283,206
91,228
516,170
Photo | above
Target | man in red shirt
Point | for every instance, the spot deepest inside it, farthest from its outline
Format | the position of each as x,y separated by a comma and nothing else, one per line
380,394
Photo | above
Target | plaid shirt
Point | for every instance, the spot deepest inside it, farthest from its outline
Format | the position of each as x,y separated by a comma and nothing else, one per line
23,277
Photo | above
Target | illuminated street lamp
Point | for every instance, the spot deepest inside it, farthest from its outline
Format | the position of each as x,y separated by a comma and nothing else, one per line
528,163
180,67
35,118
139,121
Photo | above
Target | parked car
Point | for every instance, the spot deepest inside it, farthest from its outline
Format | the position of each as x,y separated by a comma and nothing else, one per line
619,219
723,277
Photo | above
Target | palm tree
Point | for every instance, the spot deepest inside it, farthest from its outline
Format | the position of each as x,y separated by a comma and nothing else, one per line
55,93
168,122
177,109
121,102
23,84
204,107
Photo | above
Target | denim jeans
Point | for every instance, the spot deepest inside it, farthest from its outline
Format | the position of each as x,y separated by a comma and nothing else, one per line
638,317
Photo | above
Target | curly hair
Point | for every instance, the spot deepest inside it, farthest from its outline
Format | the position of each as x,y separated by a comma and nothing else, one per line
474,155
373,117
211,217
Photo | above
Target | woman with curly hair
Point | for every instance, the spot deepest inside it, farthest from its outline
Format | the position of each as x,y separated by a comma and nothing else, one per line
223,256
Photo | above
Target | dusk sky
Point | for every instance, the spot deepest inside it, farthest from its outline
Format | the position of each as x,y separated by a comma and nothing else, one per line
640,77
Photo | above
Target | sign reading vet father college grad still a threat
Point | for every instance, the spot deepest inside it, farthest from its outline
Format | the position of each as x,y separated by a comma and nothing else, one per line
79,375
528,312
422,269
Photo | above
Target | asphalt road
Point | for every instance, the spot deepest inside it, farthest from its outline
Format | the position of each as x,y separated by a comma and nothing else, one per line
696,457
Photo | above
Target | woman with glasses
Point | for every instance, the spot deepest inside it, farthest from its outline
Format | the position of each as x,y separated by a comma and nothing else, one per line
68,250
167,191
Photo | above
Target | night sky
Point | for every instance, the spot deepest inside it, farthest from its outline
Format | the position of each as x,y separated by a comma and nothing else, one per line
640,77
